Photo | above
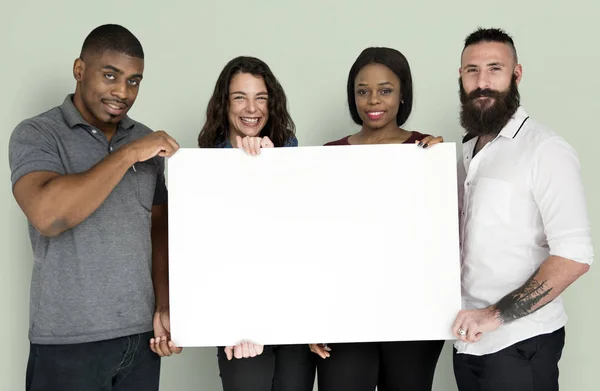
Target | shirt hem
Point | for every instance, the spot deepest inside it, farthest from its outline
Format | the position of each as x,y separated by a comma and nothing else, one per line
96,337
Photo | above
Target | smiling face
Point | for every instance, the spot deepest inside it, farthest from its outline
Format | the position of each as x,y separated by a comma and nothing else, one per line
377,95
107,86
248,105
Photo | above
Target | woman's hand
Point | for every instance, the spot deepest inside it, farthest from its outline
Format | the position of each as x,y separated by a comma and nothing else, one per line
429,141
252,145
243,349
321,349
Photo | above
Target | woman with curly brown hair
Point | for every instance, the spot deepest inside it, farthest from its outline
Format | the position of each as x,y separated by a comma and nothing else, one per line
248,110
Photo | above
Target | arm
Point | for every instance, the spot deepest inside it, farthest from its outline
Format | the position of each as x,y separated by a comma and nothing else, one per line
160,256
54,202
558,192
550,280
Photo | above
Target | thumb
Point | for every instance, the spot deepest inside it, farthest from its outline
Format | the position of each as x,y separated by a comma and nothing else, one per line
238,141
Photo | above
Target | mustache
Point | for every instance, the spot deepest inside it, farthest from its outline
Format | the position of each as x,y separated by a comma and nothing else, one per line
484,93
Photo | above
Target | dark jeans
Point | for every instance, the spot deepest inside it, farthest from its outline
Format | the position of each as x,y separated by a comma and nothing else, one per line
121,364
530,365
278,368
389,366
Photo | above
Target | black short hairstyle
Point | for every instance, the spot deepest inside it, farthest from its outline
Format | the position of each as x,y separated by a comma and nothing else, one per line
491,35
398,64
112,37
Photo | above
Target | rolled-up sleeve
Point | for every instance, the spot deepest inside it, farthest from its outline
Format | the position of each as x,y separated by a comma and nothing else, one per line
31,149
558,191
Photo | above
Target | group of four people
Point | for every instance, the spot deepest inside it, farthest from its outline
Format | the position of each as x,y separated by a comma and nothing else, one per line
90,181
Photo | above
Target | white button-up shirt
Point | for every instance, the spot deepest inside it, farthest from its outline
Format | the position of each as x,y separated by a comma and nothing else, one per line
521,200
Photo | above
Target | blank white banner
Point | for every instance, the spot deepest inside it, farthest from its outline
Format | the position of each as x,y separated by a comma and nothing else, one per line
313,244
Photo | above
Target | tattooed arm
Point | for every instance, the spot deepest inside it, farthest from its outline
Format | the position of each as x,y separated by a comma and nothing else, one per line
547,283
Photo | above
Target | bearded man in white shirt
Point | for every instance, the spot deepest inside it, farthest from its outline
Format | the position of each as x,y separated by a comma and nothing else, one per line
525,233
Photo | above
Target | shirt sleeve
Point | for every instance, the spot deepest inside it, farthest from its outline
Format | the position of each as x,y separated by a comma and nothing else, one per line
160,192
558,191
31,149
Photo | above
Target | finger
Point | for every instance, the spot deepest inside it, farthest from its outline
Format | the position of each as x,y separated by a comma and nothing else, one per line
237,351
472,333
164,347
245,350
259,349
251,350
246,145
152,345
266,143
157,347
436,140
319,351
257,141
229,352
457,323
174,349
423,143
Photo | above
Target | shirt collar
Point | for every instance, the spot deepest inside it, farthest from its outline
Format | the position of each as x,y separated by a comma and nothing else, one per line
73,116
512,128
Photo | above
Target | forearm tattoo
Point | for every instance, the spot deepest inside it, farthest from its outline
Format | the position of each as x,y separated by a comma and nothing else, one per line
523,301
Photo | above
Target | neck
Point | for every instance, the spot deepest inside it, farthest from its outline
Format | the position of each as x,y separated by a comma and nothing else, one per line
391,131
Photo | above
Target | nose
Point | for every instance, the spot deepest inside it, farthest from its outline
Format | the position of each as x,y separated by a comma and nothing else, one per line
483,80
373,99
251,106
120,91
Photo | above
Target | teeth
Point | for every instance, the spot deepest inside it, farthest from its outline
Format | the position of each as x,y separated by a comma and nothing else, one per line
250,120
113,106
376,112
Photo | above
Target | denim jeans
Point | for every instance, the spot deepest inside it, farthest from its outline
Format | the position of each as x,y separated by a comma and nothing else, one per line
121,364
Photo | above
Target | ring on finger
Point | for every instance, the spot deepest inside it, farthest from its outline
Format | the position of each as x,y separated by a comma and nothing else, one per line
462,332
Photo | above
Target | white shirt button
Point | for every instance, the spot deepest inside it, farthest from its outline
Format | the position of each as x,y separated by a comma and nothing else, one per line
94,131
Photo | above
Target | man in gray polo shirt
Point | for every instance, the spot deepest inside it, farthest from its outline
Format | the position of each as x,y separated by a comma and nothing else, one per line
91,182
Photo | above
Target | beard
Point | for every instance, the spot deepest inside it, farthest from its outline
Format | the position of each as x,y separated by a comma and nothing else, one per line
488,118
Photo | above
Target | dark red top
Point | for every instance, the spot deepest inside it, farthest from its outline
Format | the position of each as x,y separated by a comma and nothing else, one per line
411,140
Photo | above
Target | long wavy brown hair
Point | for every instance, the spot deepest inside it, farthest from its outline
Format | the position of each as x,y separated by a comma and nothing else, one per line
279,127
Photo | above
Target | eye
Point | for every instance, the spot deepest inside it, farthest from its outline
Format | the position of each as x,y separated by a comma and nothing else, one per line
238,97
494,69
134,82
361,92
263,98
109,76
471,70
386,91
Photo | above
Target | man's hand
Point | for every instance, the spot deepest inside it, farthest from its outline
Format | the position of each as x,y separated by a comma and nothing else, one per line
161,344
157,143
471,324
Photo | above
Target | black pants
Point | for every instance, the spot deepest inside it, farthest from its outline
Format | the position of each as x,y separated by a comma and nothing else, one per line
530,365
278,368
389,366
121,364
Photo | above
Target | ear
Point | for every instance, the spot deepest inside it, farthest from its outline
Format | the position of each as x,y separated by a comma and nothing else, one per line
78,69
459,71
518,73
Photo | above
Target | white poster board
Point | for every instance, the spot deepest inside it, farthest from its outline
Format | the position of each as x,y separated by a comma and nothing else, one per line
313,244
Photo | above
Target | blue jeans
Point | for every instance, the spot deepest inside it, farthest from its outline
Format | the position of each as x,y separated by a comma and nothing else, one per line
121,364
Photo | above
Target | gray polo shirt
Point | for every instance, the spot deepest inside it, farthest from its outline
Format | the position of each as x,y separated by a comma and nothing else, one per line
92,282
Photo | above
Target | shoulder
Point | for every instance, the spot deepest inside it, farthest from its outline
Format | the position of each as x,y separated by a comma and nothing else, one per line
342,141
291,142
44,123
416,136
